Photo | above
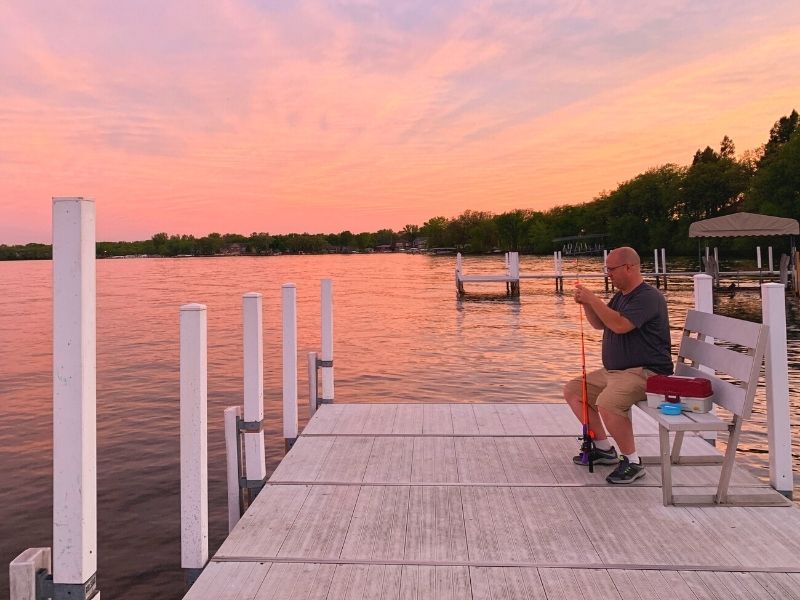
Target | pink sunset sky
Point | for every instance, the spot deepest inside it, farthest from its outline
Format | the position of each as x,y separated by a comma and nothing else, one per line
238,116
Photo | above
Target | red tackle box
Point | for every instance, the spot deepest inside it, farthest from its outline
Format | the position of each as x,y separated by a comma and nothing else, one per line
694,393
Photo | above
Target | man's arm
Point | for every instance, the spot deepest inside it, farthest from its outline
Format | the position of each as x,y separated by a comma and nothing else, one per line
599,314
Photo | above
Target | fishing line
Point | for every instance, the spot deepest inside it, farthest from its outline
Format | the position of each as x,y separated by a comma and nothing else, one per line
587,438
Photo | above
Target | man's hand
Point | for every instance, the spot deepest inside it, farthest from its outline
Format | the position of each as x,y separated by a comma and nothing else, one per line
598,313
584,295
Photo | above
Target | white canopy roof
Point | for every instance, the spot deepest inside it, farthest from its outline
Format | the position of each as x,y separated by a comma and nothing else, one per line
744,224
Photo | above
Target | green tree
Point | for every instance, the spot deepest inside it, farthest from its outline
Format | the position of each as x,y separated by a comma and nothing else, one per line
775,188
410,233
512,228
435,230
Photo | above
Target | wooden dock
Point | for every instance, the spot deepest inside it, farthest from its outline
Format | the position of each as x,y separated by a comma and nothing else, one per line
480,501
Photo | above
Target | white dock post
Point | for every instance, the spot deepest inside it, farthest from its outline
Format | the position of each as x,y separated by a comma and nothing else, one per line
312,383
233,462
459,284
74,398
655,265
769,259
255,467
605,270
22,572
513,272
289,305
326,364
704,302
194,440
758,257
703,292
664,265
776,377
555,267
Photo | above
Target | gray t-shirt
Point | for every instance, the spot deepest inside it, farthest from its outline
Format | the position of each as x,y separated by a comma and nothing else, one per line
648,345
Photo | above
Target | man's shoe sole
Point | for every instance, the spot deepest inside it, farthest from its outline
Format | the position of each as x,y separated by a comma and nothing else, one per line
639,475
599,461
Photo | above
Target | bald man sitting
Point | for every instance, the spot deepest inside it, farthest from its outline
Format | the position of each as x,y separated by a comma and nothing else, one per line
636,344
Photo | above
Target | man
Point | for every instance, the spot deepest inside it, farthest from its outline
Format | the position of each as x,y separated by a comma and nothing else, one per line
636,344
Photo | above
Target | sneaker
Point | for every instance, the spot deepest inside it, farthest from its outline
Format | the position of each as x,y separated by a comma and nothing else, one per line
599,457
626,471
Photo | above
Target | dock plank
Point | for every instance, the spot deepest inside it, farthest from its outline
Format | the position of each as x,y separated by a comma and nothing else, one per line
377,530
479,461
578,583
390,460
434,460
650,585
464,422
325,419
321,524
305,461
506,583
437,419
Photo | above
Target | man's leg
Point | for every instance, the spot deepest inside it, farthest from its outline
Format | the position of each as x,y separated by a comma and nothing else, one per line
621,429
573,394
624,389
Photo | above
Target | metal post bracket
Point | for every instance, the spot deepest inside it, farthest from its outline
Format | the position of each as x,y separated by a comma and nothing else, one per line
46,588
249,426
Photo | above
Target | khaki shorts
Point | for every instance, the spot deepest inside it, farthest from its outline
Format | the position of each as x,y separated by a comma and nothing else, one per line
615,391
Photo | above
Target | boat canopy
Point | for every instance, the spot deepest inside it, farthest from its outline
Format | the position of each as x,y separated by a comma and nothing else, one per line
743,224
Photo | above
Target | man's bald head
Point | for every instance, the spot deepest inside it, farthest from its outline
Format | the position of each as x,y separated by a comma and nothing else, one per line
625,255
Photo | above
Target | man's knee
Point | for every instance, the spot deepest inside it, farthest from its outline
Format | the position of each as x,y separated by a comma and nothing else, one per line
606,407
572,390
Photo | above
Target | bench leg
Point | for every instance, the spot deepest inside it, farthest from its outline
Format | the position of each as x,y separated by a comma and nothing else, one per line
676,447
727,464
666,466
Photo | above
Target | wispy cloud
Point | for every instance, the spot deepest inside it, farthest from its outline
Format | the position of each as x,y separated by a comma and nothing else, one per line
285,116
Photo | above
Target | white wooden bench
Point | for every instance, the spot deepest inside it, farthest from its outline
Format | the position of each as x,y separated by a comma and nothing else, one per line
734,379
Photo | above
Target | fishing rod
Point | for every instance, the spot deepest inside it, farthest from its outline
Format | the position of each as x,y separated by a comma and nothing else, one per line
587,437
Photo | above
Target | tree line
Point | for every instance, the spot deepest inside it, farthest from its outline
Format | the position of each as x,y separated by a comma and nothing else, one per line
652,210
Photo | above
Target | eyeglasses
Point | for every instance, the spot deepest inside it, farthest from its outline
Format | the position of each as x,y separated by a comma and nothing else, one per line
612,269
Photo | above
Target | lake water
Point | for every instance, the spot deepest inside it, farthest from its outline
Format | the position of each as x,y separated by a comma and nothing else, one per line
400,335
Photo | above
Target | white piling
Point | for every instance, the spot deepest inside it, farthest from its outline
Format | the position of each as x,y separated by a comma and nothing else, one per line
769,259
555,263
22,572
716,256
326,370
655,262
253,350
194,439
664,264
74,393
758,257
233,465
777,382
703,292
458,263
513,265
312,384
289,305
704,301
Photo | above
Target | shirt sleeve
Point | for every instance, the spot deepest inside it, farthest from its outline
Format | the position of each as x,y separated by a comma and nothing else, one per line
640,308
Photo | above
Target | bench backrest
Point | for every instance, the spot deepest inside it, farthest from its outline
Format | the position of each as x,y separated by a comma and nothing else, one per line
741,363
